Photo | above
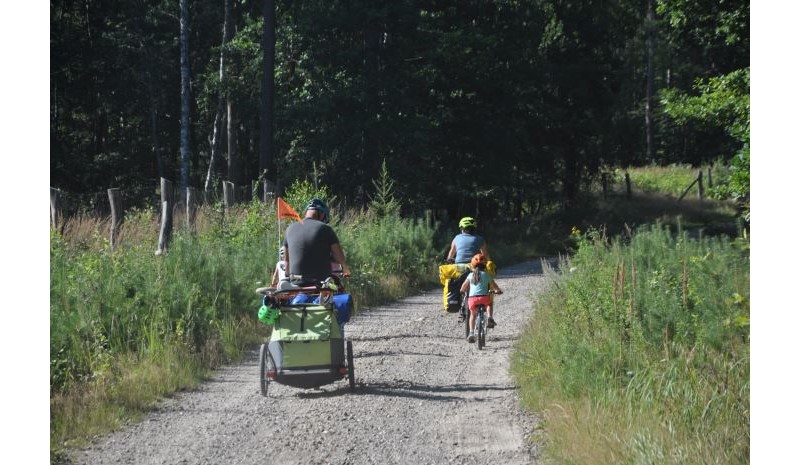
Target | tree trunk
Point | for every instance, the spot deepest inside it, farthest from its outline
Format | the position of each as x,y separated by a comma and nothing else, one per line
216,134
372,35
571,175
233,149
648,114
185,94
266,158
154,142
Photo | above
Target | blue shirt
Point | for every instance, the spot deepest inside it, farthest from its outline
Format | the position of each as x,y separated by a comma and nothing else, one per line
482,288
467,245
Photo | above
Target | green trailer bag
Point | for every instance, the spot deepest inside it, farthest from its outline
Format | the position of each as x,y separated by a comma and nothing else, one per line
306,346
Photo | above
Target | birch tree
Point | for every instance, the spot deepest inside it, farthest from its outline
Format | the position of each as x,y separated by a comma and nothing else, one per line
216,132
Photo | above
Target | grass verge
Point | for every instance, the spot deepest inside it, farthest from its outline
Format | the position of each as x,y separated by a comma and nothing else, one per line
639,352
128,327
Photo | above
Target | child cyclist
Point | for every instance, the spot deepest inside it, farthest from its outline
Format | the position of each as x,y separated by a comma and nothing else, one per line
479,282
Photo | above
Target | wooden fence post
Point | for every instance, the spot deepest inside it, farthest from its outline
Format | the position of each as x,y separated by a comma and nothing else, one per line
268,191
191,209
710,182
700,185
55,200
604,183
116,215
628,183
228,194
167,199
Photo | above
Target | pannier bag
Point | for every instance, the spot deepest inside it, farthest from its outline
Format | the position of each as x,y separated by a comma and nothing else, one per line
342,303
451,276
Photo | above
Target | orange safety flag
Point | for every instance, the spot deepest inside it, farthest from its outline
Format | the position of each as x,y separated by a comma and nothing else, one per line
286,211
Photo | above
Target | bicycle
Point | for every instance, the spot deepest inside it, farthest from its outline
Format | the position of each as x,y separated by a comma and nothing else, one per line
481,324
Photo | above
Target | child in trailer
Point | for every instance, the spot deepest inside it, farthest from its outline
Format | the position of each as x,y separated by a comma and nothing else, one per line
281,273
479,283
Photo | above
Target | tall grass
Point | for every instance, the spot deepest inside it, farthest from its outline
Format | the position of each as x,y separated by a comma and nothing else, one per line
639,352
673,179
127,326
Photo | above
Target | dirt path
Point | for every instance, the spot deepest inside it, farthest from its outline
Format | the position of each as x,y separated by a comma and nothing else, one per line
424,396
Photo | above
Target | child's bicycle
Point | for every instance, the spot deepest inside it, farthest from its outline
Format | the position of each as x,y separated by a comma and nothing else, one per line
481,321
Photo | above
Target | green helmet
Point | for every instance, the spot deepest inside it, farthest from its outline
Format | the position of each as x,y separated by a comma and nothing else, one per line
268,315
467,222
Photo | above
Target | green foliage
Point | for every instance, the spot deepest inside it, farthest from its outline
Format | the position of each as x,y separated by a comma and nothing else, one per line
384,202
302,191
720,101
723,101
709,23
645,346
667,180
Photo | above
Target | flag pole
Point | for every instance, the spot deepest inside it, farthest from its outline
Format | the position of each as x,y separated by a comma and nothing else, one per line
277,210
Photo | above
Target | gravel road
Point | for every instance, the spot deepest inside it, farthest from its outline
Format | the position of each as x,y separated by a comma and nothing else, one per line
424,396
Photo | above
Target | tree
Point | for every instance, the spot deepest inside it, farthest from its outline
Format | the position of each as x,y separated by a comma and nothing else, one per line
266,158
384,202
650,28
219,117
185,94
715,37
722,101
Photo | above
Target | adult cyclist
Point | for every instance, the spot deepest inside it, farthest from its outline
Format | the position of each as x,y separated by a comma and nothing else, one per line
310,244
463,247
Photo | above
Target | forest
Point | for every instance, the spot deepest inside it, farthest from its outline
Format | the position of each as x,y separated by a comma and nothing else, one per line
505,107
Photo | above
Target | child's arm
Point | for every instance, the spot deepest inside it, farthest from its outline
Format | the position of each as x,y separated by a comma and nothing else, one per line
493,285
465,284
275,276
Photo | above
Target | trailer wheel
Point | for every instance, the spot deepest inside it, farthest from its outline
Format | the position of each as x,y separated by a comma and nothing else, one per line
263,366
350,370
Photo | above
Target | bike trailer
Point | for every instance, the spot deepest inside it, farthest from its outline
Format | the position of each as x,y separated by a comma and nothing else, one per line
307,347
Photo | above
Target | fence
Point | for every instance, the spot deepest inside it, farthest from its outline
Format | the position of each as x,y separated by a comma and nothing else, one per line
165,196
606,184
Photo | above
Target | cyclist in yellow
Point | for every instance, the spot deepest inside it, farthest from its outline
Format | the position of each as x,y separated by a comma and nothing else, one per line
462,248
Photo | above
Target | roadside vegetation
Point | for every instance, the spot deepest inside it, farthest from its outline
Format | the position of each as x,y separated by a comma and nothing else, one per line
639,351
672,180
128,327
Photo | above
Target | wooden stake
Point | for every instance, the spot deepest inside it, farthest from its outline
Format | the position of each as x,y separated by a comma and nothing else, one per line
116,215
167,199
55,205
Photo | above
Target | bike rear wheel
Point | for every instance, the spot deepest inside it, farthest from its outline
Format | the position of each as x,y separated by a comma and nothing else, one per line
480,327
465,314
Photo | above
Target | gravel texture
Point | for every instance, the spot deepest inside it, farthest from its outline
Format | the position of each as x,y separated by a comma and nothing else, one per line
424,396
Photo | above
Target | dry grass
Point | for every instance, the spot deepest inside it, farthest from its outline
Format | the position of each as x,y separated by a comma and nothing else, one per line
130,387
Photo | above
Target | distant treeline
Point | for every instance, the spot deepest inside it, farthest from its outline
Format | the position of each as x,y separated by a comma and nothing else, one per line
505,104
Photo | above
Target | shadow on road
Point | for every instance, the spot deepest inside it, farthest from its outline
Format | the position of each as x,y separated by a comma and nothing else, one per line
408,389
